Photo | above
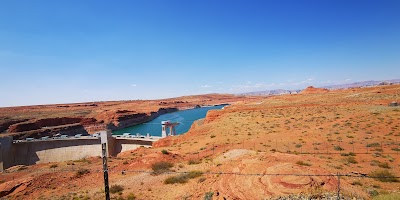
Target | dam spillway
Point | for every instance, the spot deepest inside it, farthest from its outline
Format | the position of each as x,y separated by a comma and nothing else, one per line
23,152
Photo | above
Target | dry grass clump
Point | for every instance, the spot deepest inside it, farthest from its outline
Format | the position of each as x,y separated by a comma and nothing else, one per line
183,178
384,176
161,167
116,189
81,172
303,163
194,162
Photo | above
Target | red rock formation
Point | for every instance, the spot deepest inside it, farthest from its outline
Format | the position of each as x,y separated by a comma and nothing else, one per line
48,123
313,90
212,115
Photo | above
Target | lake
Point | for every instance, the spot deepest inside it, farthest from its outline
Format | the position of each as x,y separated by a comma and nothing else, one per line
184,117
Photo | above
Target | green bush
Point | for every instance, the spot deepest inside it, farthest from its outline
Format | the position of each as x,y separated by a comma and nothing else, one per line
116,189
164,152
383,176
161,167
183,178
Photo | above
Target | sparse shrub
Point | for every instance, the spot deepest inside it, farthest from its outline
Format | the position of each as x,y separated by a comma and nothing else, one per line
208,195
303,163
202,179
373,193
84,160
351,160
131,196
348,154
53,166
387,196
384,165
194,162
183,178
81,172
212,136
161,167
22,168
125,162
116,189
357,183
176,179
383,176
352,154
375,144
164,152
396,149
338,148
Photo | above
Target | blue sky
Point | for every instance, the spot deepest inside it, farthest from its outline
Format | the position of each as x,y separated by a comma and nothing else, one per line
85,50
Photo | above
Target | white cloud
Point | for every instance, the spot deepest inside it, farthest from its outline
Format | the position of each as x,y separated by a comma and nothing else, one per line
206,86
133,85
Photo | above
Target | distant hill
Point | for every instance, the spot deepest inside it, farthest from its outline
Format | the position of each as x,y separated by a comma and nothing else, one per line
362,84
330,87
270,92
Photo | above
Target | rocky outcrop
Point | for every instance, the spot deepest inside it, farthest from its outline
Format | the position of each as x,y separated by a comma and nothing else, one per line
4,126
69,130
313,90
213,115
21,127
125,118
48,123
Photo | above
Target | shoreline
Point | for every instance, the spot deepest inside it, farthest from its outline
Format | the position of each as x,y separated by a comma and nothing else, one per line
179,109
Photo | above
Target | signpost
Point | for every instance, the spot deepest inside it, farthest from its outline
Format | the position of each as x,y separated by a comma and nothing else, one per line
105,168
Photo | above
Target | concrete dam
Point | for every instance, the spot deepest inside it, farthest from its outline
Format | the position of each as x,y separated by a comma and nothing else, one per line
57,150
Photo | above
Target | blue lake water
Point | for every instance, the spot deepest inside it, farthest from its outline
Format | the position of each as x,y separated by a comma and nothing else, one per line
184,117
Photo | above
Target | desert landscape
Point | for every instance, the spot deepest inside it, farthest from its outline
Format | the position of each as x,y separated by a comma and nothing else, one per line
49,120
295,146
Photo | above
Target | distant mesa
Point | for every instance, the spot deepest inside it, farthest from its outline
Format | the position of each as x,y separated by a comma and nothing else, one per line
313,90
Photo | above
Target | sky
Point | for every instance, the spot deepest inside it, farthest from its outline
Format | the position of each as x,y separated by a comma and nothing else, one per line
65,51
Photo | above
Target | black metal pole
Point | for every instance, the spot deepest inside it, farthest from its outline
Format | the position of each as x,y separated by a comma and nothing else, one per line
105,170
338,192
